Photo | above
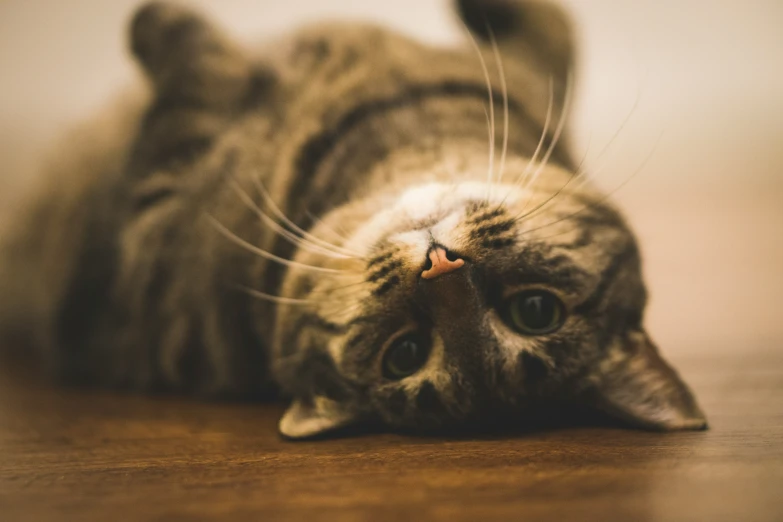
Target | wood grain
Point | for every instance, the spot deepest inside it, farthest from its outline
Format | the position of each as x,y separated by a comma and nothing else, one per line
80,455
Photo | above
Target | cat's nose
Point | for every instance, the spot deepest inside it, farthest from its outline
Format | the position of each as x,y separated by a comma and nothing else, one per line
439,262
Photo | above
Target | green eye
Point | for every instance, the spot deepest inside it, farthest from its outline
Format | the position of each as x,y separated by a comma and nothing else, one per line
535,312
406,356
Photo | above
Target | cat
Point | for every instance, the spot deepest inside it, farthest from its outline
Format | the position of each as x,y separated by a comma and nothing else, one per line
381,231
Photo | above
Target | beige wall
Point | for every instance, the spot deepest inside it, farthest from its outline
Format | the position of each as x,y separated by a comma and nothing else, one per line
707,72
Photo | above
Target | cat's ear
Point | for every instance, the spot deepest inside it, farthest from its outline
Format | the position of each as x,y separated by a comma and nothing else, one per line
186,56
538,28
323,399
635,384
310,418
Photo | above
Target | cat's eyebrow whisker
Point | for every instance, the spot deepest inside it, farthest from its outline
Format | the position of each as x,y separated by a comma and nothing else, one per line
582,171
225,232
342,313
605,196
504,87
491,170
544,133
564,114
293,226
616,134
275,298
327,227
280,299
347,290
578,173
490,133
271,223
352,286
346,311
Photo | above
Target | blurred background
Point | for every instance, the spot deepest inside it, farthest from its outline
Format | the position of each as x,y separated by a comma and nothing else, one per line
708,206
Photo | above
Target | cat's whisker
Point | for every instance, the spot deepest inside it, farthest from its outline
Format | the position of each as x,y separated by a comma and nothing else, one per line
225,232
504,87
491,169
490,133
320,222
562,233
564,113
351,287
271,223
579,173
293,226
276,299
544,134
340,314
616,134
582,171
291,301
334,295
606,196
347,312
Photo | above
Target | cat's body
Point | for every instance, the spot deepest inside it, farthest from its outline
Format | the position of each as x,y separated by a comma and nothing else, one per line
158,263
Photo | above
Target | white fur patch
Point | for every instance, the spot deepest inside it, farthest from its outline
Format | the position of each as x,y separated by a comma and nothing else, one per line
420,203
512,344
423,203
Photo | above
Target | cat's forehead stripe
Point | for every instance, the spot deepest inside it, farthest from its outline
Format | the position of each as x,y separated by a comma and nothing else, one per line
320,145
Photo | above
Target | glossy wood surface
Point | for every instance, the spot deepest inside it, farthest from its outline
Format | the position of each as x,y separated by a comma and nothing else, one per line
707,210
77,455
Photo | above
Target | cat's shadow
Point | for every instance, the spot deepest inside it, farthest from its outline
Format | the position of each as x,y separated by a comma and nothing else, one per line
533,423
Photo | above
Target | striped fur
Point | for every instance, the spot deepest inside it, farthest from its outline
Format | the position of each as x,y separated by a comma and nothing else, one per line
263,224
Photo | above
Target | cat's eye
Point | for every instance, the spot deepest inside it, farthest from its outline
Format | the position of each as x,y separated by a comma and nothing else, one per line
535,312
406,355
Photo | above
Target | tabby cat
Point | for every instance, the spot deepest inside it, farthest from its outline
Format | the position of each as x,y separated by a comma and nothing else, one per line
383,232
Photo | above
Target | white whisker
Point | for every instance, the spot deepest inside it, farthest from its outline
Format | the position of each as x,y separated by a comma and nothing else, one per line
271,223
275,298
491,171
504,87
607,195
581,171
327,227
564,113
578,172
544,133
616,134
263,253
345,312
293,226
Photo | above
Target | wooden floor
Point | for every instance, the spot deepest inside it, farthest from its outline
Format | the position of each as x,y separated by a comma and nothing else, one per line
715,312
75,455
707,209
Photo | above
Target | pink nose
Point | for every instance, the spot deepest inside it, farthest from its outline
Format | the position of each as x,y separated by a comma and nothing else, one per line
440,263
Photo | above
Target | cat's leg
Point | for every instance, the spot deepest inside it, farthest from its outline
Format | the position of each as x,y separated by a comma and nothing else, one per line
202,82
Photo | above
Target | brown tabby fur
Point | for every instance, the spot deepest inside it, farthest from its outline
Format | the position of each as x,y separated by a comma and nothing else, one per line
132,268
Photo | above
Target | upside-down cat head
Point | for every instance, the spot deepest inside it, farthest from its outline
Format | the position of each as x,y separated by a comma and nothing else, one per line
456,298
